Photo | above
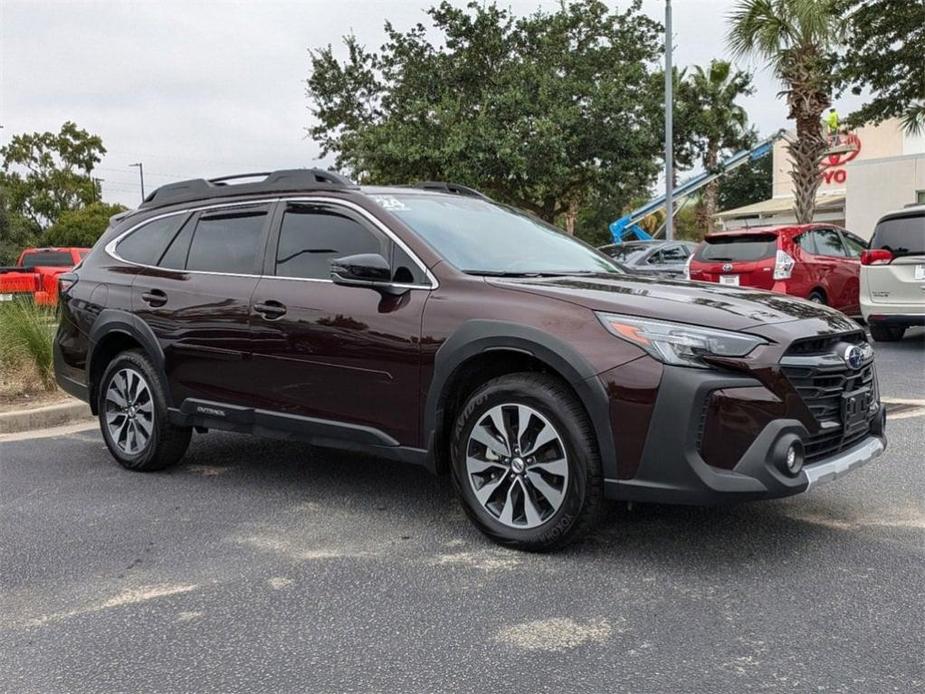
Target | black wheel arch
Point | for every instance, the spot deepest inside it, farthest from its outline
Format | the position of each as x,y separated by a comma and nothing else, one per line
478,338
115,331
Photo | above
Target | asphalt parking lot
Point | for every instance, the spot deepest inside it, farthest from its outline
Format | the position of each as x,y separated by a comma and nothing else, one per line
277,567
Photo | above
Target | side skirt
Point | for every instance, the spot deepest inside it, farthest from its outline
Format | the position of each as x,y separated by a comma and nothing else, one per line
276,425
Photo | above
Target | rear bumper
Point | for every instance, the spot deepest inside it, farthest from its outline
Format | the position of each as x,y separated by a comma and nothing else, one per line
673,470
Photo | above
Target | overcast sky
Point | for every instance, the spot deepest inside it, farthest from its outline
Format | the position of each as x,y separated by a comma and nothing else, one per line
204,88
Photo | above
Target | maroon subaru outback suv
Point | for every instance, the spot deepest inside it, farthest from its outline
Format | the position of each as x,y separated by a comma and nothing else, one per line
431,325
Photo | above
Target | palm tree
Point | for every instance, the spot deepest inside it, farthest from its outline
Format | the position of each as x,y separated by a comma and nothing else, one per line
720,124
797,38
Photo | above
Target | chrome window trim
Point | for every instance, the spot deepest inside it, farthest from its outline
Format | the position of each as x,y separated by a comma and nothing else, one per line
110,247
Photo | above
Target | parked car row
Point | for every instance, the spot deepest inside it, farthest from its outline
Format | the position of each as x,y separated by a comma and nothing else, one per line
883,280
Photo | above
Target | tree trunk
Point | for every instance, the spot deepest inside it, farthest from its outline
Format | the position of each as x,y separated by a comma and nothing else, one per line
707,208
571,216
807,103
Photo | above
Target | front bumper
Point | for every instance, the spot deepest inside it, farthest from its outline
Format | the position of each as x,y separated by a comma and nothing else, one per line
673,470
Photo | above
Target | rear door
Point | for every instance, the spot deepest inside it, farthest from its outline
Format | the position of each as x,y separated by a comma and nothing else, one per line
196,296
838,273
745,260
902,281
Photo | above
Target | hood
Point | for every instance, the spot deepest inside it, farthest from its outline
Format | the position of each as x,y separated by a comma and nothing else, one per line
697,303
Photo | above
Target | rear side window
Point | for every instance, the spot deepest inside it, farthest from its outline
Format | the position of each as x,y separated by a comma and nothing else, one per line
146,244
829,243
901,235
737,248
854,244
48,259
227,242
311,236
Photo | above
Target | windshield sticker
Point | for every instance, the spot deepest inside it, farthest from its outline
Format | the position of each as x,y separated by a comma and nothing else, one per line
389,202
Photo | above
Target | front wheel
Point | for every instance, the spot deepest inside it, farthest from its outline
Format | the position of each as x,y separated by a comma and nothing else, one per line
132,410
525,462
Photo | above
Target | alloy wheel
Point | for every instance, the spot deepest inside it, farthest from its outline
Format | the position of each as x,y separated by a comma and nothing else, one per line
517,465
129,411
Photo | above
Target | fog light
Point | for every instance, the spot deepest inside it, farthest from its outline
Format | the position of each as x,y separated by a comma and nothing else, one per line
794,459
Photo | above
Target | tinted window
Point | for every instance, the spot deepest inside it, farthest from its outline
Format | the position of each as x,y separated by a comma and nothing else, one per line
48,259
228,242
405,270
175,255
738,248
854,244
673,255
901,235
146,244
479,236
807,241
828,243
312,236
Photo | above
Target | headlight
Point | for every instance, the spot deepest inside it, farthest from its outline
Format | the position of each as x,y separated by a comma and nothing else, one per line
678,343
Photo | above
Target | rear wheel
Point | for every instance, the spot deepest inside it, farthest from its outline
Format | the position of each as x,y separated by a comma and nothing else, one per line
817,297
525,462
886,333
132,410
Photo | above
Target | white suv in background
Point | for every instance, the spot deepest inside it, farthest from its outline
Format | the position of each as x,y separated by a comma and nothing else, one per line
893,274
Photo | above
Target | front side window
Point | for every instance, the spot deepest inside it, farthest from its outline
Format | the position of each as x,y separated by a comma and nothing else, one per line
146,244
311,236
484,238
228,242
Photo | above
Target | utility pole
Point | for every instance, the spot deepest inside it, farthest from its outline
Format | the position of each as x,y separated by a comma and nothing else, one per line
141,173
669,112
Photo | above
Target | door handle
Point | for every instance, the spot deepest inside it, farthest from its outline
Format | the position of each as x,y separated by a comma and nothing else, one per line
154,297
271,309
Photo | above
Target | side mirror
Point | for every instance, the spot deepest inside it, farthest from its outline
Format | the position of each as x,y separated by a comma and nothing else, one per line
364,270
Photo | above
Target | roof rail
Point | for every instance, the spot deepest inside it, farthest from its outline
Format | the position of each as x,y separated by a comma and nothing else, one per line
455,188
283,181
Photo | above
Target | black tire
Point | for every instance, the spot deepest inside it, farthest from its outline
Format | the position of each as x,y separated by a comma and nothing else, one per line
886,333
817,297
582,502
167,443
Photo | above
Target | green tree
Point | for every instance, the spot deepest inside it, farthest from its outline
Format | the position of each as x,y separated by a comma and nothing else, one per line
797,38
719,122
81,227
48,173
750,183
16,232
545,112
885,52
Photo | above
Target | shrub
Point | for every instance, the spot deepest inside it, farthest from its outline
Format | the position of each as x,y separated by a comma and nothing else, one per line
26,335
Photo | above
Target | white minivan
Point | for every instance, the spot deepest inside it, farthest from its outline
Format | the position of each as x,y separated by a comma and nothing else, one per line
893,274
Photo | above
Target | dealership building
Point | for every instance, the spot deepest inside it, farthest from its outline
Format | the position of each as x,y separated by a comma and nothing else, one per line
874,169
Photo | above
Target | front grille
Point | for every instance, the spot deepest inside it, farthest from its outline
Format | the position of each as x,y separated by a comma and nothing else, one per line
825,343
822,381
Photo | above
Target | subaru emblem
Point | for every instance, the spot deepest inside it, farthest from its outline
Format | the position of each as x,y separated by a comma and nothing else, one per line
727,267
856,355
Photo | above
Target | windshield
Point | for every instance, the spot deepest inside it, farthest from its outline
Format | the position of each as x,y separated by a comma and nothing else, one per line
480,237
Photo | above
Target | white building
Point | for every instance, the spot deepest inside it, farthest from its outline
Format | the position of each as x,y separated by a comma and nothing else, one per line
881,170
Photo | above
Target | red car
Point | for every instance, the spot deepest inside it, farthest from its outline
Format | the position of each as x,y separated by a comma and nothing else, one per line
35,276
818,262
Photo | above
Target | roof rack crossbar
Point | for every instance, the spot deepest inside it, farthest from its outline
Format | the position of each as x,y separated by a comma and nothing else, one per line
283,181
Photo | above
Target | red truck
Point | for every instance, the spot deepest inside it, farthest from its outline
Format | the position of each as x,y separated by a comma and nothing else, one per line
36,274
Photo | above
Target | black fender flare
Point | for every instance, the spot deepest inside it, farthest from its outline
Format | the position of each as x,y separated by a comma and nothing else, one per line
478,336
116,321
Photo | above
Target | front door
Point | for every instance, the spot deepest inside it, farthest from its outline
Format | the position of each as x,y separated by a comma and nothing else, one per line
342,354
196,300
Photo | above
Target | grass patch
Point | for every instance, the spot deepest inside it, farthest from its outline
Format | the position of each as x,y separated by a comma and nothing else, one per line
27,332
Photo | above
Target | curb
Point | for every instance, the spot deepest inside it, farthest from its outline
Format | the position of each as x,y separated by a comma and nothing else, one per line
44,417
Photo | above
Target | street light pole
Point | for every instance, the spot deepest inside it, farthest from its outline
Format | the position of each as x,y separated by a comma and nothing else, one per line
669,149
141,173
